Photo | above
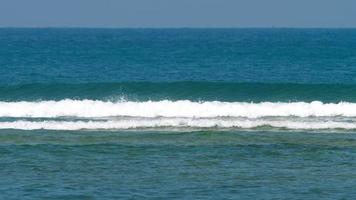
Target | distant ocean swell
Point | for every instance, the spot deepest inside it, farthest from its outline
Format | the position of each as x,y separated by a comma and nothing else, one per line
194,91
71,114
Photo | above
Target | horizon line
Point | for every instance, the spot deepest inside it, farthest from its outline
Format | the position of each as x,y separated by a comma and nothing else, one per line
173,27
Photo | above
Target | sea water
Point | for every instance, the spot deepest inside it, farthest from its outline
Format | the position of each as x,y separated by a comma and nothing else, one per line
177,113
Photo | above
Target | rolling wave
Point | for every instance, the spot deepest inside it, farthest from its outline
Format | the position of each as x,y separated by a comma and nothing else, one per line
166,108
176,123
71,114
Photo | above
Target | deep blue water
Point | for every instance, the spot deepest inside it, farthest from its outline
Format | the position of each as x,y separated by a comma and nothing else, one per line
238,55
177,113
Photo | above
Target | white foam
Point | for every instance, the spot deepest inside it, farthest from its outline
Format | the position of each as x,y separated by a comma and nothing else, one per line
166,108
175,123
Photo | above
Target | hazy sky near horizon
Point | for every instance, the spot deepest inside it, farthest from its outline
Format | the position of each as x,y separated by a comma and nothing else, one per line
178,13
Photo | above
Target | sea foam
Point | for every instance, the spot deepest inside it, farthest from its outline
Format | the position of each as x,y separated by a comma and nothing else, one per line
175,123
94,114
166,108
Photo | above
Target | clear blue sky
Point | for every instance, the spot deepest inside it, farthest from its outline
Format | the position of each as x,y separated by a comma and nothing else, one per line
177,13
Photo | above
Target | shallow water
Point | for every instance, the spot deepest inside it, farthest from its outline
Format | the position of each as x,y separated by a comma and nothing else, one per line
202,165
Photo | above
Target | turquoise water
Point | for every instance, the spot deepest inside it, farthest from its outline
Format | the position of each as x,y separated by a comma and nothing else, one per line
177,113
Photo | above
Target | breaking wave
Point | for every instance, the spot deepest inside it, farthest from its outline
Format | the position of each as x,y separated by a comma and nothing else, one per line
175,123
166,108
108,115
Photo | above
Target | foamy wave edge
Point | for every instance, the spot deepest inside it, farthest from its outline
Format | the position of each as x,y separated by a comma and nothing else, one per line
167,108
175,123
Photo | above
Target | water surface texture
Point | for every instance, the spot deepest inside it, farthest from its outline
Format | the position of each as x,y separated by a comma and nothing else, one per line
177,113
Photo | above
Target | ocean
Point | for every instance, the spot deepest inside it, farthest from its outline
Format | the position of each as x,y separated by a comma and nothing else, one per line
177,113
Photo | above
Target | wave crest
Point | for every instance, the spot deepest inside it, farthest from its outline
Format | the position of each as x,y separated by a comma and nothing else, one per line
175,123
166,108
54,115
